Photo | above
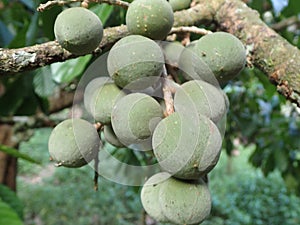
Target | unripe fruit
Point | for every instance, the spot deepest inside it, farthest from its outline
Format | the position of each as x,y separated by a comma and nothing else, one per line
179,4
90,89
172,52
134,118
111,137
194,67
202,97
103,100
150,196
135,62
153,19
78,30
73,143
187,146
184,203
223,53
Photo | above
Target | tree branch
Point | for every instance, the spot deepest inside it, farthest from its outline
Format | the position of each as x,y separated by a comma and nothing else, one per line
50,4
268,51
18,60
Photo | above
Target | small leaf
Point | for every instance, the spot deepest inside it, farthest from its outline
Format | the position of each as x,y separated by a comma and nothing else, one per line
44,86
103,11
8,216
10,197
14,152
65,72
5,35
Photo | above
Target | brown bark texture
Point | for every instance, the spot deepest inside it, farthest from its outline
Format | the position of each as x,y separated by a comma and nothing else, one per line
267,50
8,164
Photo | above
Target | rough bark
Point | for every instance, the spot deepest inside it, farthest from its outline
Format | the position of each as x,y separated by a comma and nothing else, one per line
268,51
8,164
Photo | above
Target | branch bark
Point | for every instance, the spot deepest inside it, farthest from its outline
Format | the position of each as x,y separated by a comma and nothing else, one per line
268,51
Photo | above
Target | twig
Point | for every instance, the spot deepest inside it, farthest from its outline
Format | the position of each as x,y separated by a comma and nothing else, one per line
191,29
120,3
99,127
96,174
285,23
167,91
50,4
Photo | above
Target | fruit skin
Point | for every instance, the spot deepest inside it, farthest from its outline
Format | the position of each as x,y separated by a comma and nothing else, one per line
150,196
111,137
202,97
73,143
135,62
103,100
184,203
172,52
90,89
153,19
134,118
223,53
78,30
194,67
179,4
186,146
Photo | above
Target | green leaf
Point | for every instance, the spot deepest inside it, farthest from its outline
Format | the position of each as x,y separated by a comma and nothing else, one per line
65,72
17,90
48,18
14,152
5,35
32,30
44,86
103,11
10,197
20,38
8,216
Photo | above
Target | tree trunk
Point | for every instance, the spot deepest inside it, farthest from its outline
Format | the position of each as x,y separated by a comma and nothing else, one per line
8,164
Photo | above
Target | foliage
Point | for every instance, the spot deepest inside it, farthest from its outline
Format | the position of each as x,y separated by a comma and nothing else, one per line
246,197
73,200
11,208
241,194
10,198
257,120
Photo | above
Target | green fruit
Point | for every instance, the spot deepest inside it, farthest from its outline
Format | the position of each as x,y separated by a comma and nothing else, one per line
223,53
135,62
134,118
179,4
201,97
150,196
153,19
186,146
78,30
183,202
111,137
90,89
73,143
103,100
172,51
194,67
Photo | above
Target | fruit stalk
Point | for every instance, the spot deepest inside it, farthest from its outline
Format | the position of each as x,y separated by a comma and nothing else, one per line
167,92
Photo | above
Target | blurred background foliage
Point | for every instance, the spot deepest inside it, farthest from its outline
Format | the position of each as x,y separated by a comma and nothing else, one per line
256,182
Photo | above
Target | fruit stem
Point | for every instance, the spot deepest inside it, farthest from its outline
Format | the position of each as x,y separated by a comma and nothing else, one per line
167,92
